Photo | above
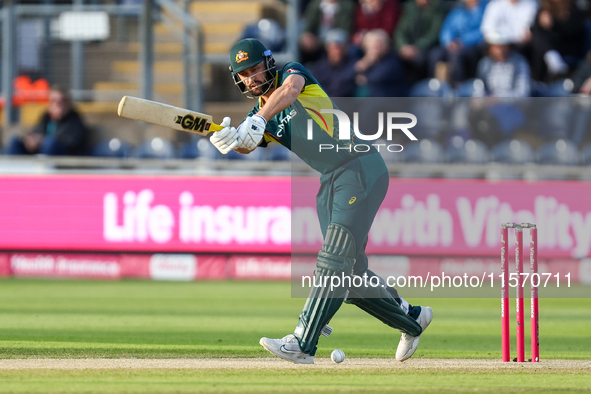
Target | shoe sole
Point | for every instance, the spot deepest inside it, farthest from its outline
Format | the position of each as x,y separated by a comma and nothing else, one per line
411,351
283,357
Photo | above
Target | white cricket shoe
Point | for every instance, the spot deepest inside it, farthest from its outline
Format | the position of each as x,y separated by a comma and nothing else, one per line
287,348
408,344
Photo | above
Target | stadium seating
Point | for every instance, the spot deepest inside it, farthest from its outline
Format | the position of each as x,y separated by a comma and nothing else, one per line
155,148
279,153
390,157
562,88
114,147
588,36
189,150
556,118
255,155
470,88
581,122
559,152
431,88
198,147
508,117
268,31
539,89
432,108
586,156
233,155
423,151
467,151
513,152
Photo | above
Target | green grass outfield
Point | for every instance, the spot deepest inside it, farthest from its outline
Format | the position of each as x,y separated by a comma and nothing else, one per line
136,319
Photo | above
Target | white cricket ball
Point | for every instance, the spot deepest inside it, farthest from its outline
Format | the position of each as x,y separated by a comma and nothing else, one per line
337,355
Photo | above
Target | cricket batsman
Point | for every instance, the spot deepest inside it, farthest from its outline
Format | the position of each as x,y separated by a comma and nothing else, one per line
353,185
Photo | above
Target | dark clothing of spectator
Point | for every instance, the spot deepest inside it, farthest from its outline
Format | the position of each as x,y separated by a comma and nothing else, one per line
386,78
565,36
50,146
462,62
321,17
69,131
386,19
420,26
319,22
336,80
303,7
63,137
582,75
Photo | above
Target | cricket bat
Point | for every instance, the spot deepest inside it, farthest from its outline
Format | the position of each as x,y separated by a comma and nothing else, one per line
166,115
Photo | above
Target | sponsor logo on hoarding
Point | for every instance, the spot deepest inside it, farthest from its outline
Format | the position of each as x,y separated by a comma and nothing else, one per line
141,221
181,267
62,266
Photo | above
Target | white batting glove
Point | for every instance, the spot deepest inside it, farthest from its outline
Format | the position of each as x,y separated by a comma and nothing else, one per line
250,132
226,139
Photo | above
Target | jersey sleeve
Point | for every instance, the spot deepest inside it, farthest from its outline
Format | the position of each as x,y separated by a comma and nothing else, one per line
297,69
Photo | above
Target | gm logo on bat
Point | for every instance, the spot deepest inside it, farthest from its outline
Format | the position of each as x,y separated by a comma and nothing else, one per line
190,122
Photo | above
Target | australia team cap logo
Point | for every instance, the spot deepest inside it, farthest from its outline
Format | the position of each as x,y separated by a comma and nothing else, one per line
241,56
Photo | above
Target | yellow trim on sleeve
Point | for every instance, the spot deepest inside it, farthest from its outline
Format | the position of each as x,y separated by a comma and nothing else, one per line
270,138
314,98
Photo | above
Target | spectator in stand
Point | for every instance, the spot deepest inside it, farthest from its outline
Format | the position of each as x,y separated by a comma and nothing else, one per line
510,18
380,70
557,38
322,16
59,132
375,14
418,32
335,71
504,71
461,41
582,77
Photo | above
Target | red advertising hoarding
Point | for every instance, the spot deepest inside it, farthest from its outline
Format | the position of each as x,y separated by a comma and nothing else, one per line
269,215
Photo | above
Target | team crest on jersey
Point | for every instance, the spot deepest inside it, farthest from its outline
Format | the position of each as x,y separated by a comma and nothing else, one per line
241,56
292,71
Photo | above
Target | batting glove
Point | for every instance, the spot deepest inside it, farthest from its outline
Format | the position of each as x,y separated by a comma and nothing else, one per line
226,139
250,132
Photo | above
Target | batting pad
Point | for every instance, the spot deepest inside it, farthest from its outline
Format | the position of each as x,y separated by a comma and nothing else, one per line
336,258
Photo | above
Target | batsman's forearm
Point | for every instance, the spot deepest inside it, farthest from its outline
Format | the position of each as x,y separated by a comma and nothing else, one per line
282,98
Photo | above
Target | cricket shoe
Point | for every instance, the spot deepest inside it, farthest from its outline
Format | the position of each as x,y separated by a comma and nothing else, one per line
287,348
408,344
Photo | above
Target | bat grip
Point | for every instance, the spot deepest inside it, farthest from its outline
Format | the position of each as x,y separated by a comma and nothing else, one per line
215,127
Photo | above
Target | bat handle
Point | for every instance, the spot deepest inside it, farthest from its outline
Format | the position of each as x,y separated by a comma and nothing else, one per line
215,127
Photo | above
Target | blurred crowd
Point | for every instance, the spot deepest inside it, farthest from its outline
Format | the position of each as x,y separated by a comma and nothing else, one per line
60,130
444,50
381,48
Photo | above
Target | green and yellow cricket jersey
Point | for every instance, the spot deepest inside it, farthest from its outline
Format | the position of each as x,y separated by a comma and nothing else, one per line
290,127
